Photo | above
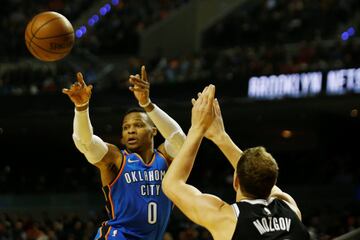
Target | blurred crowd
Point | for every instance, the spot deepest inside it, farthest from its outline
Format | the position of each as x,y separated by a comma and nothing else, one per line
281,21
323,225
330,171
79,176
118,32
210,65
271,37
262,37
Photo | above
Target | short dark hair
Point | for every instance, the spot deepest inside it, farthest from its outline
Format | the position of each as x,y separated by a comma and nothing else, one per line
257,171
132,110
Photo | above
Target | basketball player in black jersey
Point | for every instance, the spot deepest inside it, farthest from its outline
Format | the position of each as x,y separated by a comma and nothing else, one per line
261,212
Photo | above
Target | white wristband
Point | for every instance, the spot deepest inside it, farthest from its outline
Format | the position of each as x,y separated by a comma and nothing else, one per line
82,105
145,105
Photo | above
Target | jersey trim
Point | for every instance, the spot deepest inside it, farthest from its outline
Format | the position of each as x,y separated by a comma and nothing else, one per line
152,160
111,205
120,171
107,201
163,156
104,232
142,160
107,234
107,190
258,201
236,210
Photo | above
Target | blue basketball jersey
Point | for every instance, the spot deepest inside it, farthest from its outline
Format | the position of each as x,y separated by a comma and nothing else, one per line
137,207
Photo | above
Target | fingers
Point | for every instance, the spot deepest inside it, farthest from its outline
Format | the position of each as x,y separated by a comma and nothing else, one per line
139,83
205,89
135,80
208,94
65,91
137,89
144,74
211,92
217,107
80,79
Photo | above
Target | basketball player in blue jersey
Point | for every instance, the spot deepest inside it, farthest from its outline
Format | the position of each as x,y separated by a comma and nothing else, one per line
131,178
261,212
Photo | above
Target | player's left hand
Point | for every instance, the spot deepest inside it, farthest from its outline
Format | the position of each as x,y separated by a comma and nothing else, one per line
217,126
79,93
140,86
203,112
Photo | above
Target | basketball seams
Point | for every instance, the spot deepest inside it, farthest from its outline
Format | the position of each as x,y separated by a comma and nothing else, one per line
35,53
50,20
45,23
61,35
46,50
28,40
32,24
31,29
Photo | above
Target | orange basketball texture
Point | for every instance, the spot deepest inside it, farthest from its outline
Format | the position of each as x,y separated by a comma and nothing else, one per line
49,36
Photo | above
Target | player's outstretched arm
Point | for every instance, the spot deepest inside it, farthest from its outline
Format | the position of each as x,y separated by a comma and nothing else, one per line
216,133
168,127
200,208
86,142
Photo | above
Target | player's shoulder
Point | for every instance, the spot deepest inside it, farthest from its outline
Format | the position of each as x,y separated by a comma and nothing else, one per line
114,153
114,149
162,152
283,203
223,223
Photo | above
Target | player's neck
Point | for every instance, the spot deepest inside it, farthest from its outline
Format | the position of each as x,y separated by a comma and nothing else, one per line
147,155
241,196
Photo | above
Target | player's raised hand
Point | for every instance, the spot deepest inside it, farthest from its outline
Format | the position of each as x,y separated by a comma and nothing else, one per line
203,111
217,126
79,93
140,86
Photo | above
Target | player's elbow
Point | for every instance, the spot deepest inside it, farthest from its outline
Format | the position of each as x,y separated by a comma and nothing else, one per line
93,151
165,185
182,138
174,143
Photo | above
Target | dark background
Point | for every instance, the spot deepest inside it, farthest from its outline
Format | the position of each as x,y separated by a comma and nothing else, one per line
45,181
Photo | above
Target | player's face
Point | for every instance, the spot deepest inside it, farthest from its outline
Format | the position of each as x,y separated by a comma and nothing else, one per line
137,133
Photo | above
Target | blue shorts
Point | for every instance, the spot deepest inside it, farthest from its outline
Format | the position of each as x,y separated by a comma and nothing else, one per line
109,233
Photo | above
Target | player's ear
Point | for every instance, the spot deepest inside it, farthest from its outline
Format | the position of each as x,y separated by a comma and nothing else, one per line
236,183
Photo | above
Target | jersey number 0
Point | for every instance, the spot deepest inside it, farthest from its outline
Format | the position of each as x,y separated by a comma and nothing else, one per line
152,212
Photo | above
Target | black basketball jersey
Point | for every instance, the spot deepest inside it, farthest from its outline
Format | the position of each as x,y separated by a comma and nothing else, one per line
267,220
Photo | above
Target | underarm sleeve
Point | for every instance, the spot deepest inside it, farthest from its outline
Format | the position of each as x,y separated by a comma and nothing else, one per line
169,129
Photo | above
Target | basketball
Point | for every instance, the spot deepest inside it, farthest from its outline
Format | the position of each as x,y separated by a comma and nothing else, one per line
49,36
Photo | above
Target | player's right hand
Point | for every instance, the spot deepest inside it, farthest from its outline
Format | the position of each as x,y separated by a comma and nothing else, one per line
203,112
79,93
217,126
140,86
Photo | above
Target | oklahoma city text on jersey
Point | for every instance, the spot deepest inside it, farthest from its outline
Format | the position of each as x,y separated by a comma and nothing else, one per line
146,189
